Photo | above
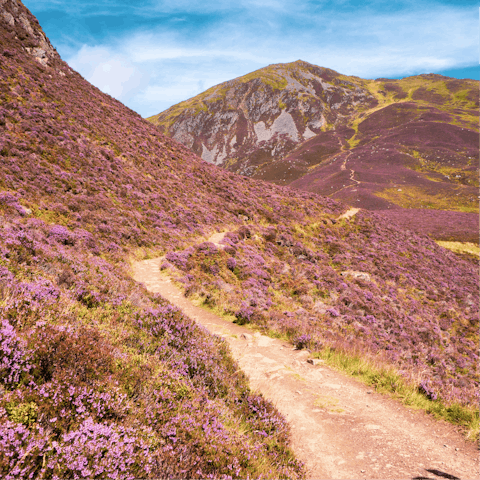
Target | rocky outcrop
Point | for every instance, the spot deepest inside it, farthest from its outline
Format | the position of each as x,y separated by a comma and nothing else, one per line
24,26
250,122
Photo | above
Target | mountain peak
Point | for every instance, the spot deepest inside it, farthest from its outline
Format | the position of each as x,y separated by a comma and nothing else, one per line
24,28
259,117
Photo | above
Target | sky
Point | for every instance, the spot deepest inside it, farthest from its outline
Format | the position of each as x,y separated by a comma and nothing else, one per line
152,54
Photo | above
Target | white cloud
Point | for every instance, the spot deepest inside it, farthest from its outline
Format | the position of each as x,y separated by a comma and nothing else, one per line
152,70
146,48
111,72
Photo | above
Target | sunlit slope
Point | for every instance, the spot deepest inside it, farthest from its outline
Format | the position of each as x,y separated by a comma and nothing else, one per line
256,119
99,377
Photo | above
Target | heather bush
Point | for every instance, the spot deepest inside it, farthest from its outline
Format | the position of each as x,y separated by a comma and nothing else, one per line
14,358
384,301
302,341
123,387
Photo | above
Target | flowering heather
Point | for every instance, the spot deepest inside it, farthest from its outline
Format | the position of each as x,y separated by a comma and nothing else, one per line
99,377
359,285
14,361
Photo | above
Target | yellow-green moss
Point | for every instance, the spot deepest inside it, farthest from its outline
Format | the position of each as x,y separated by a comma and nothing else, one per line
25,413
416,197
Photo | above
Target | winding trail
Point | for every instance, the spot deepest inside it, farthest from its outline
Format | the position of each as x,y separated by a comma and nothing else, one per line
341,429
351,176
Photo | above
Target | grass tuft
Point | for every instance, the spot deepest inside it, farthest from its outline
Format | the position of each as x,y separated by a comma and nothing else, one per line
385,379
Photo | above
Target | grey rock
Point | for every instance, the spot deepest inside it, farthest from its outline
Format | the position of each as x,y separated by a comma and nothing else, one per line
315,361
8,17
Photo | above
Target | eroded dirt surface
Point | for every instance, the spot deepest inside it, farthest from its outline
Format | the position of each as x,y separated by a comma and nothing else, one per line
349,213
340,428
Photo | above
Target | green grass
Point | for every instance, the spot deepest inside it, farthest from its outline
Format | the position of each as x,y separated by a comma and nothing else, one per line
415,197
269,76
385,379
461,247
456,175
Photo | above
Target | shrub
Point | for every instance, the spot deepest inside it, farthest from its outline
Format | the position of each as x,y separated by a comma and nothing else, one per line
14,360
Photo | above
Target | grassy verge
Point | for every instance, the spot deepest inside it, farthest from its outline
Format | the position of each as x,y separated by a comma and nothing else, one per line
461,247
385,379
417,197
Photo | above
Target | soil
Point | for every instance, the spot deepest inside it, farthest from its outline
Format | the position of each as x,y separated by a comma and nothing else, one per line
341,429
351,212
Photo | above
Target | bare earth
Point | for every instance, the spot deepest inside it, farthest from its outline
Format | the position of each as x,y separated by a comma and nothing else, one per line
349,213
341,429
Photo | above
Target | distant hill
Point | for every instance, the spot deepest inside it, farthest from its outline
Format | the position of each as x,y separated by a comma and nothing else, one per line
376,144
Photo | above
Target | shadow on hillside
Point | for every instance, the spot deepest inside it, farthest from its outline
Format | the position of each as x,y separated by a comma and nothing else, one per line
438,473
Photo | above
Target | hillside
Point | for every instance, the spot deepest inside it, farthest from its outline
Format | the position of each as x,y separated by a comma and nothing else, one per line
402,145
100,378
248,123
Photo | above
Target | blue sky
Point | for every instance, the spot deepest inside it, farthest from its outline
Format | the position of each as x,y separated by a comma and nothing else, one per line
151,54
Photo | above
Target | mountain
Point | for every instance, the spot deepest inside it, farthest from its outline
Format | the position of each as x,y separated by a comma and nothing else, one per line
401,145
248,123
99,378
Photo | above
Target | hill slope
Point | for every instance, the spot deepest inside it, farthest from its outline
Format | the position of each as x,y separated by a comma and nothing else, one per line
250,122
376,144
98,376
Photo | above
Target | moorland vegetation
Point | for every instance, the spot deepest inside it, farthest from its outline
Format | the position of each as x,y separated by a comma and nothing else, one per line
407,148
100,378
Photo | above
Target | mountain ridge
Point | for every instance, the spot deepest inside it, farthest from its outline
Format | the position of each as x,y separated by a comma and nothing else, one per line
296,124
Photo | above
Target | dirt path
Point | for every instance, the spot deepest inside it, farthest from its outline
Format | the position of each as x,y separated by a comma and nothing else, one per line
351,176
341,429
349,213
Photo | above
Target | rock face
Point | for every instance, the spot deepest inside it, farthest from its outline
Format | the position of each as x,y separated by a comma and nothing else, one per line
23,26
257,119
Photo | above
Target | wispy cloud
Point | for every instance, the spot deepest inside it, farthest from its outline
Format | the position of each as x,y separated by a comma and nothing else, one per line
155,53
112,72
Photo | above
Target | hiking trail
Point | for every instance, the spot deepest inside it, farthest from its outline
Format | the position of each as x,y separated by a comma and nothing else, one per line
341,429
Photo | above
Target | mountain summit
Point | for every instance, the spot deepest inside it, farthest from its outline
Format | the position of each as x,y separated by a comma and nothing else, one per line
258,118
23,26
